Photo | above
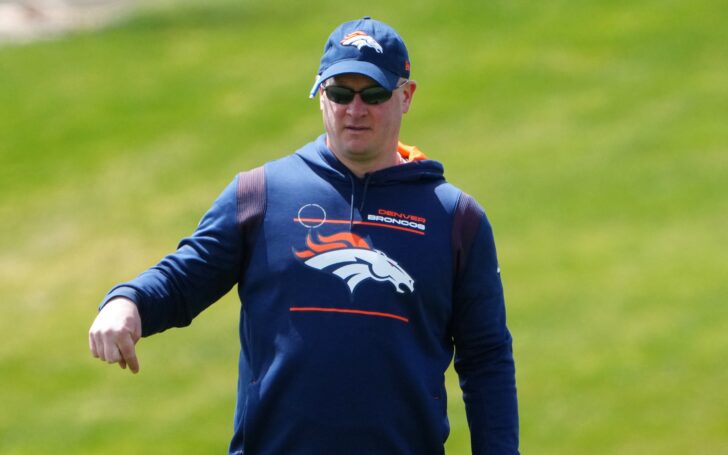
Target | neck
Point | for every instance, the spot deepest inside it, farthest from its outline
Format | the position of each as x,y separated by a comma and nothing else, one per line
367,165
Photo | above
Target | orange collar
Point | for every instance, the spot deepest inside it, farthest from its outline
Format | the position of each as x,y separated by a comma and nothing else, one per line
410,153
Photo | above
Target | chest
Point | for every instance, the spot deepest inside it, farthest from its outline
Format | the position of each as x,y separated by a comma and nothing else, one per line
388,233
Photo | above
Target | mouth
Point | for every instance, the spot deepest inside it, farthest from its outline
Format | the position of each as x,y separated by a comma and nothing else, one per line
356,129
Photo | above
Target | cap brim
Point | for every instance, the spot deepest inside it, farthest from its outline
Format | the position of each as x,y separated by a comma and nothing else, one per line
384,78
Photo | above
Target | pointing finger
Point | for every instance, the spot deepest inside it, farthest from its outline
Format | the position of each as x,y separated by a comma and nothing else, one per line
128,353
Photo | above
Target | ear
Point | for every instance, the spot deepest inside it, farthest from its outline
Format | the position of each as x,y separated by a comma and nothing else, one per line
408,92
321,99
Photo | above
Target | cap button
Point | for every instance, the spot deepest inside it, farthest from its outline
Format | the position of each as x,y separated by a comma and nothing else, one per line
366,18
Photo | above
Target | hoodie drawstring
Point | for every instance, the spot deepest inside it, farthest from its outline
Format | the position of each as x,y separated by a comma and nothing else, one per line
364,193
351,203
363,198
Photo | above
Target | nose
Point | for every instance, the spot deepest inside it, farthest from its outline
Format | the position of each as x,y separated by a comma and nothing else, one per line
357,107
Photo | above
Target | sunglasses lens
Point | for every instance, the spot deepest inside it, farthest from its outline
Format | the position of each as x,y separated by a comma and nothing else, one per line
375,95
339,95
344,95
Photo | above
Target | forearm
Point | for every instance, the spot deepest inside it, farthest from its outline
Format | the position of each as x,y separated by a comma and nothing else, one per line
204,267
487,379
173,292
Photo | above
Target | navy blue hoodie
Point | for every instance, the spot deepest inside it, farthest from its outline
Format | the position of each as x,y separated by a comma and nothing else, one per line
356,293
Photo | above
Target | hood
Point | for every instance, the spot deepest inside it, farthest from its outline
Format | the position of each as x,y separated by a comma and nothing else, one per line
317,155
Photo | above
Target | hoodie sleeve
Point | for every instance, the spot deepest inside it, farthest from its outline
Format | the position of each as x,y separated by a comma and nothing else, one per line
205,266
483,352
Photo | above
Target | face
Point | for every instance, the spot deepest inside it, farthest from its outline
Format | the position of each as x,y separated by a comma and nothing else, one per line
364,136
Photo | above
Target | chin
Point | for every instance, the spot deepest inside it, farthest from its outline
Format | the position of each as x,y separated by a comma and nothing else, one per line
357,147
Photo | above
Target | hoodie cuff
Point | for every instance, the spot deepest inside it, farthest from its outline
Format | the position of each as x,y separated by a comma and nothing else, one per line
121,291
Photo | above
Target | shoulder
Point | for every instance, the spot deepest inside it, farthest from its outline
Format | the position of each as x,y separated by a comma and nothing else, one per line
286,166
469,222
252,183
468,211
462,206
250,192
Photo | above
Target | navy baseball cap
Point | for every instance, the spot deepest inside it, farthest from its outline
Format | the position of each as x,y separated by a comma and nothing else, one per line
367,47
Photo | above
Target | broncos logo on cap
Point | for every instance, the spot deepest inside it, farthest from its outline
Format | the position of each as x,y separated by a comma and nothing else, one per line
361,39
352,259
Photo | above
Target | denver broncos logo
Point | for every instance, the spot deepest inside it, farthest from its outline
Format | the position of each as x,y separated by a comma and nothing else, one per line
352,259
361,39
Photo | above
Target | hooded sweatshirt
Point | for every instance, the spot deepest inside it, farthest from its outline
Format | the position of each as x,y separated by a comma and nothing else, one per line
355,295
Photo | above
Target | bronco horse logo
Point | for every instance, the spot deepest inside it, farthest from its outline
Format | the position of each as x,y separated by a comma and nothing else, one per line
361,39
352,259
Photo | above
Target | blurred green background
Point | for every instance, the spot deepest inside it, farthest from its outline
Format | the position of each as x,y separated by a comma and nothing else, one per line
594,134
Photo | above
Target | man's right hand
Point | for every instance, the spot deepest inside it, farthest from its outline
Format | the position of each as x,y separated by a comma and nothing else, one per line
115,332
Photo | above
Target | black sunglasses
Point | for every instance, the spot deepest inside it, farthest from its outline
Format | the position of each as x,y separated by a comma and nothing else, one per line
370,95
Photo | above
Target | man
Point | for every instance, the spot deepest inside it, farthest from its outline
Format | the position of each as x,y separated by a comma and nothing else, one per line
361,271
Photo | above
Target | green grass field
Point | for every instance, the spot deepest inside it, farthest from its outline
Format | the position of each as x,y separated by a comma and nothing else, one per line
594,133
